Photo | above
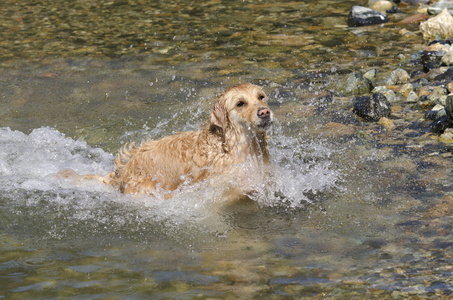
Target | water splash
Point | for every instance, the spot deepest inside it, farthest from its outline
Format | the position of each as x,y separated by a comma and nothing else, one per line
27,163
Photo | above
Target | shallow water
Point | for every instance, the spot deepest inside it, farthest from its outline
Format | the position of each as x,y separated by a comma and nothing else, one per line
347,215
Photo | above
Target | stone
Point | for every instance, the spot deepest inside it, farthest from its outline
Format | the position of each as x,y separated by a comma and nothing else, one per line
441,124
449,106
439,6
434,73
447,59
372,108
438,95
438,46
364,16
406,89
386,123
446,76
415,2
371,74
353,84
398,76
424,91
440,25
372,2
443,208
417,18
388,93
432,59
382,5
450,87
412,97
447,136
437,112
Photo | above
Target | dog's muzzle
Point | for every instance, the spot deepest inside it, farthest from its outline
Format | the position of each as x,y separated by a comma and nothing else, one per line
265,117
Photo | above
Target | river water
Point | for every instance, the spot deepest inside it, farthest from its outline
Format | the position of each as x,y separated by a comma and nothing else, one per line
354,211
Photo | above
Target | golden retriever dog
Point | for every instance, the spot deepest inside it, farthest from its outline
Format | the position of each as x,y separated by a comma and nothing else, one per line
235,135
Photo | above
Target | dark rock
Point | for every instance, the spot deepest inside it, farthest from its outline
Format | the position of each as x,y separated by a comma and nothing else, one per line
432,59
447,76
393,10
435,114
443,42
449,106
441,124
372,108
363,16
442,120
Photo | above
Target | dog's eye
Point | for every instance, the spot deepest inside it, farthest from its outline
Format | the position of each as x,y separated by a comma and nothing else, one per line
261,97
240,103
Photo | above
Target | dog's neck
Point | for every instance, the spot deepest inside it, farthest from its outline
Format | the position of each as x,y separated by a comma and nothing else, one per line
245,144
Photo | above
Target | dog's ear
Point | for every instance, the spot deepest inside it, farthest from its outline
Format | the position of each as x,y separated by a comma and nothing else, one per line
218,116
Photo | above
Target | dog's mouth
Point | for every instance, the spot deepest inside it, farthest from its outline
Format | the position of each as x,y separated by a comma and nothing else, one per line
265,123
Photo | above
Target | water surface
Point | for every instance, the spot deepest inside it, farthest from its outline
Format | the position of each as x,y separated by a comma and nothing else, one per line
353,212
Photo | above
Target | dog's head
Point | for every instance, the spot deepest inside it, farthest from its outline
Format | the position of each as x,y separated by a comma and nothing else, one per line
242,107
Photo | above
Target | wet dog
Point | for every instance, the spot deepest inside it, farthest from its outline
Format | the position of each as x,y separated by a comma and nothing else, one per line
234,135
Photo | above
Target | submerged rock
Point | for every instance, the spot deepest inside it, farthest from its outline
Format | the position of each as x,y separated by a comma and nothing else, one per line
412,97
386,123
449,106
440,25
333,129
414,2
372,108
388,93
363,16
382,5
353,84
443,117
437,112
440,6
447,59
431,57
398,76
446,76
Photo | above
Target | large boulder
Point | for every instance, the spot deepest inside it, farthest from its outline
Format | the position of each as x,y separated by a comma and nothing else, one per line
440,25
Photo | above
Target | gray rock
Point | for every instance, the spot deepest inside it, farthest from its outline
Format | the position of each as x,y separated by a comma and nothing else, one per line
439,6
436,112
371,74
398,76
438,95
388,93
447,59
364,16
449,106
447,76
372,108
412,97
353,84
416,2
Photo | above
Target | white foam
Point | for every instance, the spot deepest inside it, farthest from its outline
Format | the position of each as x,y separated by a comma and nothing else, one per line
26,162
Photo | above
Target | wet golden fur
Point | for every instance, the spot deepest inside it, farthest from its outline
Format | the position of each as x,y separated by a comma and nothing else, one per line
235,133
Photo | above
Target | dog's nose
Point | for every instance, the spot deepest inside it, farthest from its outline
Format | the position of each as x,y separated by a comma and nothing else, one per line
264,112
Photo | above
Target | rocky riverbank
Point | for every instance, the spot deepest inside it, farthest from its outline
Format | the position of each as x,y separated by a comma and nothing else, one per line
423,82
